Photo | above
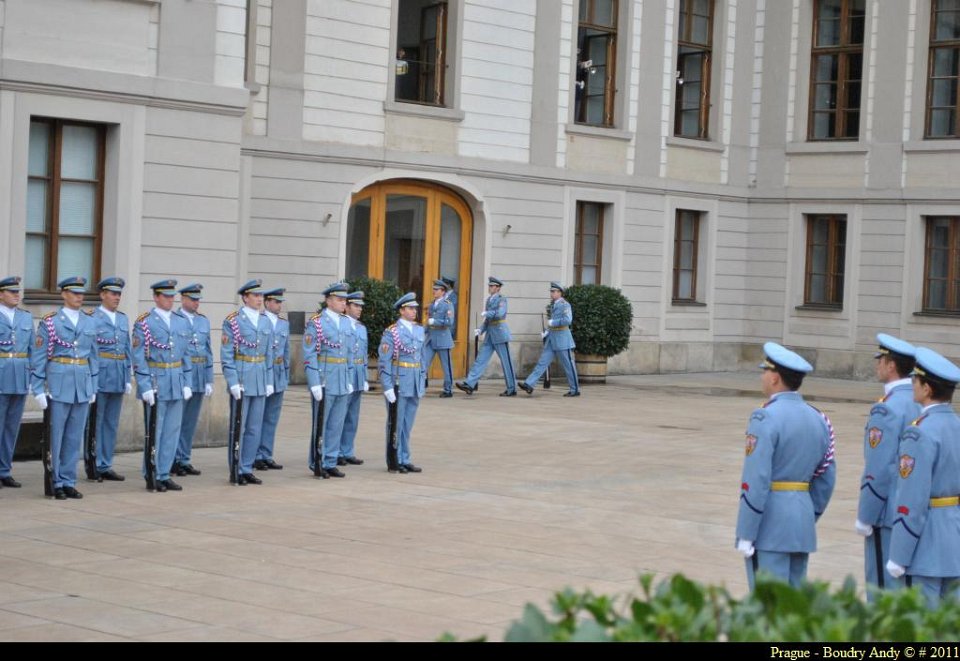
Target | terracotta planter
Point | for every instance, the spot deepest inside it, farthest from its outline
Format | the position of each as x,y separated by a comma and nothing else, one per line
591,368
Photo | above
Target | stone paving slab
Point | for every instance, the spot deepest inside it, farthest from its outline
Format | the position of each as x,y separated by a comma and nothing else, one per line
519,497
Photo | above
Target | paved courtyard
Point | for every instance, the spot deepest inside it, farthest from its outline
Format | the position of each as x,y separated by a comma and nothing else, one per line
518,498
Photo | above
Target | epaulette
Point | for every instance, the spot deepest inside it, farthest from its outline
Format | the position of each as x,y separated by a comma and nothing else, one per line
232,316
200,314
143,316
280,316
121,313
177,313
916,423
49,314
391,326
89,311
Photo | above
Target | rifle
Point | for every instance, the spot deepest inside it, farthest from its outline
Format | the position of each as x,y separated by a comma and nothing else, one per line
476,352
393,460
316,437
150,436
546,374
90,445
45,454
236,434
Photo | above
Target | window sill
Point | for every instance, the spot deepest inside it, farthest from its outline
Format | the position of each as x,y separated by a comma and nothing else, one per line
692,143
687,304
933,144
599,132
826,147
818,307
419,110
938,315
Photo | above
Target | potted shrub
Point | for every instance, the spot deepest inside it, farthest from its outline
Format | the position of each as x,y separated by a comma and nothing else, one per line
378,313
602,320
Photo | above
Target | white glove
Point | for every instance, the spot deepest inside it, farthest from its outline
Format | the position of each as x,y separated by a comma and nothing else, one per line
236,391
349,388
551,323
150,397
895,570
366,387
431,321
745,547
487,313
390,395
93,398
41,401
187,393
269,390
127,389
476,332
862,528
544,334
317,392
208,390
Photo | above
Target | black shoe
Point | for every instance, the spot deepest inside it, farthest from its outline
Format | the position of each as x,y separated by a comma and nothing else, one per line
353,461
509,393
159,487
323,474
272,465
170,485
525,388
110,476
259,465
8,481
72,493
399,469
412,469
571,394
341,461
335,472
177,470
250,478
59,494
462,385
446,394
186,469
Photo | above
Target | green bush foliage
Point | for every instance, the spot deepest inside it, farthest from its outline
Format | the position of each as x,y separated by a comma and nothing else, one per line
378,313
602,319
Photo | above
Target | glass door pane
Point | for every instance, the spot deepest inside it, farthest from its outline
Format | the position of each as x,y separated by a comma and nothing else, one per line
358,239
404,241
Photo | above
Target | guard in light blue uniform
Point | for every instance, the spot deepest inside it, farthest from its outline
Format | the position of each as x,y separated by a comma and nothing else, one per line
925,540
439,340
328,345
497,339
400,362
272,303
246,354
116,372
16,344
65,369
558,341
452,299
358,365
788,474
889,417
201,379
161,361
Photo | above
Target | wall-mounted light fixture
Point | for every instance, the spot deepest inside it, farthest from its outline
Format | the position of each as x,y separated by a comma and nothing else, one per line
507,228
326,219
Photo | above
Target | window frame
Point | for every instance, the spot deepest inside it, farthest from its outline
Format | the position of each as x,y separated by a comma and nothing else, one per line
935,45
706,72
54,180
953,266
835,280
843,51
440,53
578,236
610,71
678,240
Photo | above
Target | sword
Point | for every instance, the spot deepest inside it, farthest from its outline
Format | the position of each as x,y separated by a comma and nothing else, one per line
45,454
90,445
546,374
150,437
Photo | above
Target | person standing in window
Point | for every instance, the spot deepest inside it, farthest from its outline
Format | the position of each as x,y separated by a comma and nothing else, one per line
16,345
497,339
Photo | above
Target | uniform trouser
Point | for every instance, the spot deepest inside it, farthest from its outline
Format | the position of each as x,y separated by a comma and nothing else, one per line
875,562
406,416
788,567
566,360
486,351
334,414
108,420
251,422
935,588
188,427
350,423
169,418
11,412
271,418
67,422
445,363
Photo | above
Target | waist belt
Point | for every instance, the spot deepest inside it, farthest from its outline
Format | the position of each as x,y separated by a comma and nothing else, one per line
278,361
494,322
789,486
13,355
198,359
163,366
358,361
402,364
559,328
69,361
335,361
249,359
113,356
945,501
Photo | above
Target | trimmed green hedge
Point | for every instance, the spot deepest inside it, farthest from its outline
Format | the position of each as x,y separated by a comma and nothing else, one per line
602,319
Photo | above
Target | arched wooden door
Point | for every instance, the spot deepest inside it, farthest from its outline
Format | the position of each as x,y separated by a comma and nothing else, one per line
413,232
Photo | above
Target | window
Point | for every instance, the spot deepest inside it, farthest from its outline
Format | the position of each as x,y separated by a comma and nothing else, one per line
943,70
941,271
64,202
686,248
421,64
588,251
836,69
826,246
694,43
596,62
